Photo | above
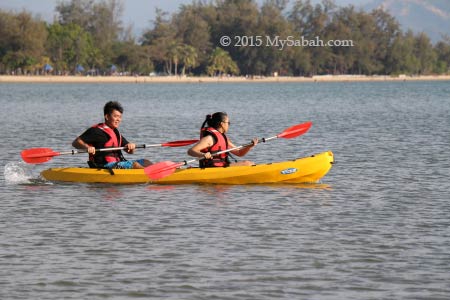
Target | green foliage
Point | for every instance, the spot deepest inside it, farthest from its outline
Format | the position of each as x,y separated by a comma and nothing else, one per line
192,25
69,45
443,56
160,41
132,59
221,63
100,19
90,33
22,42
189,57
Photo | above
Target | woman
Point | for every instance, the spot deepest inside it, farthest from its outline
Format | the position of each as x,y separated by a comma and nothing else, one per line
213,139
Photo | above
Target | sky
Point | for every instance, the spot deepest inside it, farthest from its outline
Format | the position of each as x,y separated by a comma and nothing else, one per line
138,13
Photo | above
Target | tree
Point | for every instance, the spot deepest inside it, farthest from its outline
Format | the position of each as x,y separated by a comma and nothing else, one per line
132,58
174,54
425,54
237,18
272,23
107,26
409,62
22,42
102,20
159,40
311,22
189,58
69,45
90,33
344,57
386,34
192,25
442,50
221,63
78,12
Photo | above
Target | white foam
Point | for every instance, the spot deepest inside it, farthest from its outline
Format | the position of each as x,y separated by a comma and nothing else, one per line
17,173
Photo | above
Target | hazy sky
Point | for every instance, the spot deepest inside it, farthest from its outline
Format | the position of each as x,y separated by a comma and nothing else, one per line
138,13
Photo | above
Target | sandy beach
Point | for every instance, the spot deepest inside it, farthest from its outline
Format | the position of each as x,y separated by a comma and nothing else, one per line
223,79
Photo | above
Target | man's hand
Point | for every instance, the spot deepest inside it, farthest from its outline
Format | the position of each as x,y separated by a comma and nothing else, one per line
129,148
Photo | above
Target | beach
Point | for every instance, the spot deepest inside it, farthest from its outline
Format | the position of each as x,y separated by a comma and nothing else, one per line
206,79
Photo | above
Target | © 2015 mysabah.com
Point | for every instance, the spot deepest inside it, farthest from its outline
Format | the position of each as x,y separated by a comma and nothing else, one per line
280,42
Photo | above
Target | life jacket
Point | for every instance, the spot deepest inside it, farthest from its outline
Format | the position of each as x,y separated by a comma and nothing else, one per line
109,156
221,143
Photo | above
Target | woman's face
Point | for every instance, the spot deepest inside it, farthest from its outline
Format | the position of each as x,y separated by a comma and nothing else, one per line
225,124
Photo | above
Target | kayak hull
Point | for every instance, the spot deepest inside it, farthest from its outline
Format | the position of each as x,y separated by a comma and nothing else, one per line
302,170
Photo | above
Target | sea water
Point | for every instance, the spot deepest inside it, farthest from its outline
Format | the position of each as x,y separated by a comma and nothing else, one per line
375,227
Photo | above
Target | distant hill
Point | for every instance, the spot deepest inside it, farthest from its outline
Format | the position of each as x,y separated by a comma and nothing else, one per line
429,16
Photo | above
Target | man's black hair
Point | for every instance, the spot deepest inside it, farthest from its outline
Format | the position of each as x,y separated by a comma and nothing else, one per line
112,105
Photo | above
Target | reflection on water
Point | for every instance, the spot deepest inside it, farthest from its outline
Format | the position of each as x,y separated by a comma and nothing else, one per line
159,188
105,192
320,186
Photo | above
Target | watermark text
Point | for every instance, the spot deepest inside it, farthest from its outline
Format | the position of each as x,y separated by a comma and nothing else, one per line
280,42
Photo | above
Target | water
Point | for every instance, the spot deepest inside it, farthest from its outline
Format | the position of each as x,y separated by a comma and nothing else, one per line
375,227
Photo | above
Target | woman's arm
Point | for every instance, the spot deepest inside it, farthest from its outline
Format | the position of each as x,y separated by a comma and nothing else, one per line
243,151
204,143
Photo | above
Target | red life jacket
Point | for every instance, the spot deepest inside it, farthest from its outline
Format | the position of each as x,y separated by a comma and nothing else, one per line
113,156
221,144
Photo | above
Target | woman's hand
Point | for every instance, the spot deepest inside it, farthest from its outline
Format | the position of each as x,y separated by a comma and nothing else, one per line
207,155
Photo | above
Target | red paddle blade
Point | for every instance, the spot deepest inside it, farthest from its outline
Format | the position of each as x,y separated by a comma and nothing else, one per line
295,130
38,155
179,143
161,169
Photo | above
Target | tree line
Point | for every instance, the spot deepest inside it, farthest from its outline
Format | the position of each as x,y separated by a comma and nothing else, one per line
87,36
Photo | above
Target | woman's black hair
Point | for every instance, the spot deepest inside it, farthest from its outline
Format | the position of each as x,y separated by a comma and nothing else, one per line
214,120
112,105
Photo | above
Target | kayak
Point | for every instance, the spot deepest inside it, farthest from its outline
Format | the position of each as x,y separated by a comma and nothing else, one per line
302,170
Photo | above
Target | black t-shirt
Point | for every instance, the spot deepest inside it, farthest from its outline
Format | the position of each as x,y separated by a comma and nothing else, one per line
98,138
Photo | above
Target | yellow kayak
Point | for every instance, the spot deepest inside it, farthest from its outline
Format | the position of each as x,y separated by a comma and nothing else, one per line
302,170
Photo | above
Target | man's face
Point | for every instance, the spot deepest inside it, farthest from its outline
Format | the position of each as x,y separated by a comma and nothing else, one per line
113,120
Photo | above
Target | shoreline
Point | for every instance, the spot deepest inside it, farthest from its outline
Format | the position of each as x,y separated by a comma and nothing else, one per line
205,79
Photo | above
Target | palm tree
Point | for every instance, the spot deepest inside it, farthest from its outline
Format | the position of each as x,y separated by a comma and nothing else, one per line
221,62
174,54
189,57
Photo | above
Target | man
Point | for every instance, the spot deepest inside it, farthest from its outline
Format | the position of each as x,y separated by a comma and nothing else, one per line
107,135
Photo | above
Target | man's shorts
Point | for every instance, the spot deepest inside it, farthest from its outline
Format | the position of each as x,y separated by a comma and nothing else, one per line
126,164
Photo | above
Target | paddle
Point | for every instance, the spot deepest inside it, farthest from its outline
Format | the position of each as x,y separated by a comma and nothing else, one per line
166,168
42,155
